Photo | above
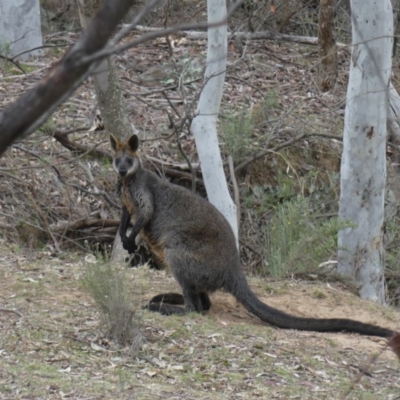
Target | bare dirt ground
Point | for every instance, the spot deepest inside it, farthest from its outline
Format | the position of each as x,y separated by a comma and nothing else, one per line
52,345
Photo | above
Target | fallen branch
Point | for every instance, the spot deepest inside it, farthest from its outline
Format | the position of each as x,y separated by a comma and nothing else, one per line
280,146
64,226
63,139
182,166
173,173
11,311
274,149
270,35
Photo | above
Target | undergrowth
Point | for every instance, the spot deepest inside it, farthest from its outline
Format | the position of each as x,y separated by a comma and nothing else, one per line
107,285
297,241
392,260
239,129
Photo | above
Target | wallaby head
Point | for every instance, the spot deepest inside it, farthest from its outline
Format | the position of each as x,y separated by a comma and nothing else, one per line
126,159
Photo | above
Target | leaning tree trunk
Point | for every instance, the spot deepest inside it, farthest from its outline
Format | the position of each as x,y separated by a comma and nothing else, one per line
110,102
204,125
363,168
108,94
328,67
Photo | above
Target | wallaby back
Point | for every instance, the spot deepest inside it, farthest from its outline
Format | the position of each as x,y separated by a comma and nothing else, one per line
191,237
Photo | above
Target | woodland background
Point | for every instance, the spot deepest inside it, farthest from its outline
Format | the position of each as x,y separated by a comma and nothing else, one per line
59,214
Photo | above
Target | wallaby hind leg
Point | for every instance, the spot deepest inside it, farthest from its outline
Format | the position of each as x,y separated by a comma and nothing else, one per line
205,300
194,302
167,304
168,298
177,299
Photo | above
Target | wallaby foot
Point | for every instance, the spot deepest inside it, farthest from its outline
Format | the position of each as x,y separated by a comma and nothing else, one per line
166,303
168,298
129,244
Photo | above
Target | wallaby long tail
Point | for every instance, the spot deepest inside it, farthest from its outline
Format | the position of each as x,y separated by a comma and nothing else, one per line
241,290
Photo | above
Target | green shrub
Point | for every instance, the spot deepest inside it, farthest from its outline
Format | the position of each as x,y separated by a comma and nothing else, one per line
297,241
236,132
109,289
238,128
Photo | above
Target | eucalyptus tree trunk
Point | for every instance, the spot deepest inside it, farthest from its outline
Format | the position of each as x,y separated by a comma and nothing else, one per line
110,102
20,29
328,66
363,168
108,93
204,125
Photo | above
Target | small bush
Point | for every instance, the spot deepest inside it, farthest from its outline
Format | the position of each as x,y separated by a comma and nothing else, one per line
297,241
108,287
237,130
240,129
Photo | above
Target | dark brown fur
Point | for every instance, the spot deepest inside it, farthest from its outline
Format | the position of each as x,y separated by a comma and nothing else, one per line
192,238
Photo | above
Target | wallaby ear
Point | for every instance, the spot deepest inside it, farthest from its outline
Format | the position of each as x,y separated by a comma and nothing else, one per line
133,142
113,142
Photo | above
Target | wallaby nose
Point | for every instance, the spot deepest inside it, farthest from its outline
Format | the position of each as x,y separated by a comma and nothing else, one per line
123,172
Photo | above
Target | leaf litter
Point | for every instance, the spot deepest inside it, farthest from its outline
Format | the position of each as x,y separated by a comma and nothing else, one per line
54,347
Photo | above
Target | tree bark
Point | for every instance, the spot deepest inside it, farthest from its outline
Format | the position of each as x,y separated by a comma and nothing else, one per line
110,102
363,168
108,93
204,125
328,67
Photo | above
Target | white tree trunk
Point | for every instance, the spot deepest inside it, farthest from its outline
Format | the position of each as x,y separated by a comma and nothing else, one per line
20,28
363,168
204,125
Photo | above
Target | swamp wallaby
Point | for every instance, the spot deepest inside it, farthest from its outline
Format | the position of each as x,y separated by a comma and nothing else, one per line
191,237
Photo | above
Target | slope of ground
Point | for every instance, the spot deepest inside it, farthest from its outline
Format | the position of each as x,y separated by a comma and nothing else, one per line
52,345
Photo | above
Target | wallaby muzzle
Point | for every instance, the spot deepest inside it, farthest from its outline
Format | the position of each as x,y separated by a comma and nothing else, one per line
126,165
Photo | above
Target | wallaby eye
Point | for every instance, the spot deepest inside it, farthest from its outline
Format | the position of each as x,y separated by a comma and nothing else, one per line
129,161
117,160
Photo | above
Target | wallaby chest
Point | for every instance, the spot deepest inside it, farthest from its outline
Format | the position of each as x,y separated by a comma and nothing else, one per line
126,199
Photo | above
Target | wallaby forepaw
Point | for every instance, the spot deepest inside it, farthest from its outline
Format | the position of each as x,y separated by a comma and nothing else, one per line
129,246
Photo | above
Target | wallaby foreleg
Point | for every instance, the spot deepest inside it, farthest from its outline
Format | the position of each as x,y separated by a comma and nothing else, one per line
129,242
123,226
